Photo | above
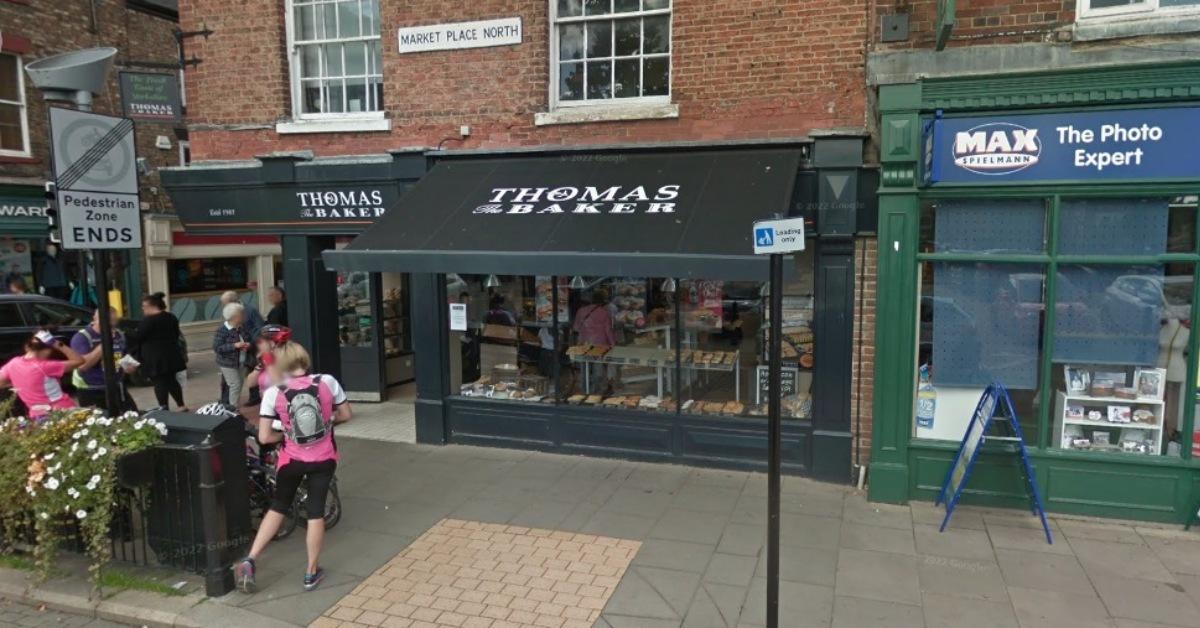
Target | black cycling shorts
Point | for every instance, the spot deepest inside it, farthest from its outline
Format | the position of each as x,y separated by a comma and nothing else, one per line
287,480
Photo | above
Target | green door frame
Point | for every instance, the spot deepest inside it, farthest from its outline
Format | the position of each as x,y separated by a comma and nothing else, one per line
903,467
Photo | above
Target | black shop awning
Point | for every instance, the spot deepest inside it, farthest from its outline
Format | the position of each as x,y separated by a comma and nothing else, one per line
657,214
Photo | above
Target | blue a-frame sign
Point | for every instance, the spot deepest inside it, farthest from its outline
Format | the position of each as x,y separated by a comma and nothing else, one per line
960,470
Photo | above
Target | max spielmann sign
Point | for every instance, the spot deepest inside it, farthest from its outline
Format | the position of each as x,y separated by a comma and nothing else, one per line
637,199
1091,145
502,32
331,209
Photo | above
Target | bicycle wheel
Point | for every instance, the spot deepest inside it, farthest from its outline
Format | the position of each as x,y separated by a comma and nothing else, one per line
333,507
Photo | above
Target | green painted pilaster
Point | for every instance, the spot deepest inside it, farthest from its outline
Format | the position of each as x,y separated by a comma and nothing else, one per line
895,329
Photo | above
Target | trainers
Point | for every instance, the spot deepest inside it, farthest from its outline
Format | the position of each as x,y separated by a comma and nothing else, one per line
243,575
311,580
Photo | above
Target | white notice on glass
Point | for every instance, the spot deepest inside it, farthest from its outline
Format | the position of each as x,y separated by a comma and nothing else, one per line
458,317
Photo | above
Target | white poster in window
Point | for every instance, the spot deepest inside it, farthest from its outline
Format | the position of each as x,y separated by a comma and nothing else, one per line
458,317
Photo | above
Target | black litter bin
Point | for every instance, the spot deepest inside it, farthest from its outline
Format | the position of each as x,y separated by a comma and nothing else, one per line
199,513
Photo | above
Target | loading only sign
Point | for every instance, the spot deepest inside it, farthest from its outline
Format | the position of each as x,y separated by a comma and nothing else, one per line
95,171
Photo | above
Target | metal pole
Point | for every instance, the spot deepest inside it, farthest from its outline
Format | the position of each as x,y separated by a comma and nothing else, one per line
774,430
107,359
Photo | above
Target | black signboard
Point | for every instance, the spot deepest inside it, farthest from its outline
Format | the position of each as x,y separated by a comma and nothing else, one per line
150,96
789,380
338,209
207,275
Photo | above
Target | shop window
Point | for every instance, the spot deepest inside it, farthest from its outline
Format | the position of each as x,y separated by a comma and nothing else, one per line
620,343
336,58
979,323
606,51
196,285
509,349
1090,9
1122,301
1120,347
356,323
984,226
14,126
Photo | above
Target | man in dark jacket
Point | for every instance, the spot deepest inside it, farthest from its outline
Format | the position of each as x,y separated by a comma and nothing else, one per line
278,300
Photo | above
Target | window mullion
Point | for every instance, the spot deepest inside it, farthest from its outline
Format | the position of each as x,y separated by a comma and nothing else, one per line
1187,429
1051,298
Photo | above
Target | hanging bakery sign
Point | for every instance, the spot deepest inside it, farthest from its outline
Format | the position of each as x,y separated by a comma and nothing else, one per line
615,199
1075,146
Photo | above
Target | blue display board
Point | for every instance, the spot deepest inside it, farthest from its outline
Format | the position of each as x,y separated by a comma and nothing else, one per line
1114,145
994,397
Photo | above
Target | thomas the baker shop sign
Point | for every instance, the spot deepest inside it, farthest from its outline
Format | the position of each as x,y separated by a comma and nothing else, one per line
276,210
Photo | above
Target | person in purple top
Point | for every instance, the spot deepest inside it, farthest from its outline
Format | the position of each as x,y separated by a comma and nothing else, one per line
88,379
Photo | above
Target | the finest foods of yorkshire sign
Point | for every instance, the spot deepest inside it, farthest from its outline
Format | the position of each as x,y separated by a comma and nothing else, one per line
483,34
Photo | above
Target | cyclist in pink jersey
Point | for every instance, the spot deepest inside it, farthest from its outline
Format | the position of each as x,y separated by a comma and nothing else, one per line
35,375
307,406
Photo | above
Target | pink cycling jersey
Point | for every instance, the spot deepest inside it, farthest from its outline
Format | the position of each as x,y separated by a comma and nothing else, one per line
275,406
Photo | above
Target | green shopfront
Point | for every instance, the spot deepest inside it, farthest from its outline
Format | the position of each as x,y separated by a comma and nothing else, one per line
1040,230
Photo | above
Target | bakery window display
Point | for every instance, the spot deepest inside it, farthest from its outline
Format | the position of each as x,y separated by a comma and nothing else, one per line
1105,409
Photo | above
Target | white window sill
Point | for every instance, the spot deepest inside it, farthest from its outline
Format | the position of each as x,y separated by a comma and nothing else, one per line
349,125
1162,23
606,113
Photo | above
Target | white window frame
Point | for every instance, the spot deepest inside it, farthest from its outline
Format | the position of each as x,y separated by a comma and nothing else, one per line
23,105
1147,9
609,103
321,122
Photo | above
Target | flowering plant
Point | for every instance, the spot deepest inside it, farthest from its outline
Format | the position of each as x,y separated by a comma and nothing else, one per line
67,470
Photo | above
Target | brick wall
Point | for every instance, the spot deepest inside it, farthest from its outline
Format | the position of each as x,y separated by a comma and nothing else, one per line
745,69
978,21
863,361
65,25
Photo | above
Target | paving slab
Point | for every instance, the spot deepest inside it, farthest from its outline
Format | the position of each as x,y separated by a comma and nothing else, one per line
689,525
1103,558
730,569
878,576
1177,555
856,509
1026,538
1096,531
968,544
965,517
803,605
677,555
1054,609
809,565
851,612
893,540
1049,572
951,611
1147,600
962,577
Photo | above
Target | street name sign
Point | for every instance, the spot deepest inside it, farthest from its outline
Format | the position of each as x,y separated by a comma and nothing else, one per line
95,172
460,35
778,236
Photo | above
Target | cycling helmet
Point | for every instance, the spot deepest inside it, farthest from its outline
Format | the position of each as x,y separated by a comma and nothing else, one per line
277,334
217,408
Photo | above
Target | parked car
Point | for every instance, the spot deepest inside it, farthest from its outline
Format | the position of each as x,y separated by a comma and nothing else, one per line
23,314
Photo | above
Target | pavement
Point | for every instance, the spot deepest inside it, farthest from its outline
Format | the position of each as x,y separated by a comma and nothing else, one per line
494,538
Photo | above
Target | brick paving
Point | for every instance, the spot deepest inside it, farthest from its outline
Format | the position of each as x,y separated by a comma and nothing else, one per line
468,574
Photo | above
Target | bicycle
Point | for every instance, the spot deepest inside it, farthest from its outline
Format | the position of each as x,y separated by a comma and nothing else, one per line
260,472
260,477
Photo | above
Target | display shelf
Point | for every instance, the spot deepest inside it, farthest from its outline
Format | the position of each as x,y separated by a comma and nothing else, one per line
1151,442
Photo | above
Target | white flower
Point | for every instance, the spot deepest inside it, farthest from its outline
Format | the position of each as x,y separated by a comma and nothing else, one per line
162,430
102,451
83,431
49,456
139,424
91,444
81,514
91,420
91,486
44,515
95,479
52,483
74,446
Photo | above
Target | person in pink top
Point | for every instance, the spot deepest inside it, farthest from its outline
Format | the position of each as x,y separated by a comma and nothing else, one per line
594,325
36,376
306,407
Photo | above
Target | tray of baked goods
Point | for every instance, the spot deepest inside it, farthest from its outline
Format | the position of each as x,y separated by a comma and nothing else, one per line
732,408
631,355
641,402
709,360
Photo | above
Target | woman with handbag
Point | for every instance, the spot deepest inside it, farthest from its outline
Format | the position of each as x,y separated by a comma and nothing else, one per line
158,348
